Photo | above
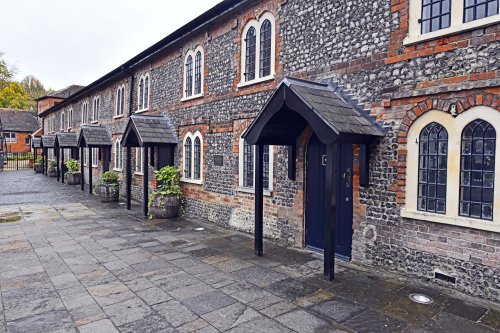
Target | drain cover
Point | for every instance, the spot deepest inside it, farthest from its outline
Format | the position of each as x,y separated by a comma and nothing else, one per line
199,229
420,298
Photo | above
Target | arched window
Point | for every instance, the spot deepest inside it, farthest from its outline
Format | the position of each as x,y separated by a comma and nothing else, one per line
143,93
197,158
265,48
146,92
62,121
120,101
432,168
251,43
118,155
85,113
70,118
247,166
197,73
189,76
477,170
95,109
187,158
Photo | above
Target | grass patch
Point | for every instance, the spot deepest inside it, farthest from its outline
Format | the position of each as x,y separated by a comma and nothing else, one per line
10,218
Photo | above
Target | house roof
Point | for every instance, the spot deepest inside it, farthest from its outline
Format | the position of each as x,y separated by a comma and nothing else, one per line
18,120
94,136
48,141
63,93
67,140
36,142
298,103
206,18
144,130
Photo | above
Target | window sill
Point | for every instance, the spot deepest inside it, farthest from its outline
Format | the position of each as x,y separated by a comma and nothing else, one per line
94,121
118,117
95,166
141,111
192,181
117,170
452,220
138,173
185,99
256,81
250,190
454,29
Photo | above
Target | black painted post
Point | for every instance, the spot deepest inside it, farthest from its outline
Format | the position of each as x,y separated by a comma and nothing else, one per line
62,165
145,171
90,169
82,180
331,189
259,200
34,157
129,178
56,151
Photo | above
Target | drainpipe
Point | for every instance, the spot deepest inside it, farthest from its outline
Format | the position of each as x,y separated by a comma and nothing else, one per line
129,149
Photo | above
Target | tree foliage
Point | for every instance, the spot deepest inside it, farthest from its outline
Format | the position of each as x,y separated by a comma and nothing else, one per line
6,73
13,96
33,86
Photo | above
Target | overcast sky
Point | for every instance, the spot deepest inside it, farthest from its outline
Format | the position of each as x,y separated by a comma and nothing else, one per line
64,42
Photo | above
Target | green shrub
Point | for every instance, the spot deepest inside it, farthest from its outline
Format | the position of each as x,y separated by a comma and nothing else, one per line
39,159
52,165
73,166
169,181
109,178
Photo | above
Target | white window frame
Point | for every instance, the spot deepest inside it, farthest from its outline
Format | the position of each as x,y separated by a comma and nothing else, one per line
256,24
139,161
8,137
118,157
143,107
61,120
193,53
96,108
119,113
193,136
86,157
241,161
95,157
454,127
457,24
70,119
85,112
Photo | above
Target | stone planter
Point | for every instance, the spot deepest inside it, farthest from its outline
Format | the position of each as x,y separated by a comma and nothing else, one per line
166,206
108,193
38,168
52,173
73,178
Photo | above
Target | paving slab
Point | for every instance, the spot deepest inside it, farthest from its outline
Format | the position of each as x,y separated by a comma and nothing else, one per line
446,322
100,326
231,316
338,310
208,302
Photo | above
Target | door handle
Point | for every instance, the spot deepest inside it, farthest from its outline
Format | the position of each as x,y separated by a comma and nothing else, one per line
347,177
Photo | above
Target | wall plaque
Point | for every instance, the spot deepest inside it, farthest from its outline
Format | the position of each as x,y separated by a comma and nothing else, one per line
219,160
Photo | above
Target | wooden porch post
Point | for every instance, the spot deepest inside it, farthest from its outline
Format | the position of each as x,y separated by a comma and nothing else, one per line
129,178
259,200
330,213
90,169
57,151
46,161
82,180
145,171
62,165
34,157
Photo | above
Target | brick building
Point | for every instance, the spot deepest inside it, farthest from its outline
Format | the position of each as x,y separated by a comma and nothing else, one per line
17,127
425,201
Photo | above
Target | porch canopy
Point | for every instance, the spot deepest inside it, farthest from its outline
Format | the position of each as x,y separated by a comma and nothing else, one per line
66,140
36,143
94,137
295,105
48,142
148,132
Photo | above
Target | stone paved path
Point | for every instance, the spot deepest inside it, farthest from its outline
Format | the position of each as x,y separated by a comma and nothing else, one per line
71,265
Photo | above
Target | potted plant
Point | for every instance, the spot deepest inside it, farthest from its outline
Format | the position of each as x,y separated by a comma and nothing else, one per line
108,188
52,169
165,201
39,164
73,175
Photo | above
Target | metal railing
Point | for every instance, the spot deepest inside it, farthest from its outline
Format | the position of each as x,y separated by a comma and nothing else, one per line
16,161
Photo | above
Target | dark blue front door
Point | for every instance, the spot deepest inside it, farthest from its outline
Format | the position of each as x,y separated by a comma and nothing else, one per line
315,189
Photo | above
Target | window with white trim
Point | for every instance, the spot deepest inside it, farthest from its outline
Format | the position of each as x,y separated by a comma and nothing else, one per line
95,157
194,67
139,159
258,43
435,18
96,105
61,120
10,137
247,166
143,93
451,166
70,118
86,157
120,101
192,153
85,113
118,152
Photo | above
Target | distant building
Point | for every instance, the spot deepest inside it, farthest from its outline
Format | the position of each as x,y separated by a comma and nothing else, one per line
16,129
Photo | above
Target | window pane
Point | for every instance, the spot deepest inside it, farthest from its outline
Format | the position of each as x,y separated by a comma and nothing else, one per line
197,74
187,158
435,15
251,41
247,165
265,48
197,158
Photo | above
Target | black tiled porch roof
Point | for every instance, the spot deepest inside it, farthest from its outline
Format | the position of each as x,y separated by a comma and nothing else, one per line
95,136
149,131
48,141
67,140
36,142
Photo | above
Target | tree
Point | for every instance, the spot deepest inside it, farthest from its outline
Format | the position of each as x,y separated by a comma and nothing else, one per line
6,72
33,87
13,96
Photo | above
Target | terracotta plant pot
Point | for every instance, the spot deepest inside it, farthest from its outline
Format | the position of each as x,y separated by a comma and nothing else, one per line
166,206
108,193
73,178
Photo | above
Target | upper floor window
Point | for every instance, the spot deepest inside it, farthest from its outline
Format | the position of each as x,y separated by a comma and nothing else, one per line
193,157
258,50
118,155
70,118
120,101
430,19
96,105
193,73
85,113
62,121
143,93
247,166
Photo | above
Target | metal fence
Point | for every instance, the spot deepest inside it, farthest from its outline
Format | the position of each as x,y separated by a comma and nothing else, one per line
16,161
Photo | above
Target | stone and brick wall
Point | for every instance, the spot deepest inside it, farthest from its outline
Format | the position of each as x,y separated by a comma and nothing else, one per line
20,146
358,46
